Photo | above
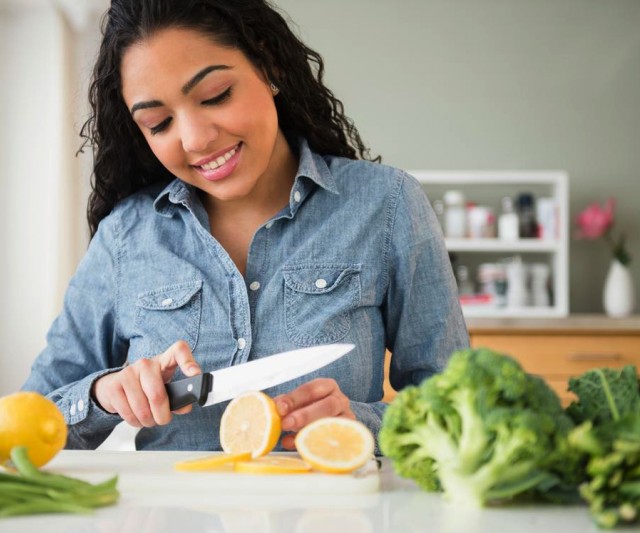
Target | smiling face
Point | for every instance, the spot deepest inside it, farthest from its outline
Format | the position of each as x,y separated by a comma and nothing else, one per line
208,115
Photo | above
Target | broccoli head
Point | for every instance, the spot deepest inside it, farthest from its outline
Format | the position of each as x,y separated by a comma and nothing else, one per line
483,430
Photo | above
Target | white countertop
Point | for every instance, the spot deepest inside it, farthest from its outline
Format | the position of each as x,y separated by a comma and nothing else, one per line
148,505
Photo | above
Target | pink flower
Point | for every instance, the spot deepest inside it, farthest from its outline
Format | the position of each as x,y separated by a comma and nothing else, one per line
595,221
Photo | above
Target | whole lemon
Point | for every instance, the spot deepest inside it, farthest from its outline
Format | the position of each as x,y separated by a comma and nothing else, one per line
30,419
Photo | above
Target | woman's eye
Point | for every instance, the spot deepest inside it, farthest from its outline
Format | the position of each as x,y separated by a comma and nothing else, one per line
222,97
160,127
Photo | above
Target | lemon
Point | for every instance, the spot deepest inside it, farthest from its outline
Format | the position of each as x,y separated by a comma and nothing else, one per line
29,419
212,462
250,423
335,445
273,464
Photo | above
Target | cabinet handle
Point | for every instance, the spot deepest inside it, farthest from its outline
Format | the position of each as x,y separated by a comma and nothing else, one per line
578,356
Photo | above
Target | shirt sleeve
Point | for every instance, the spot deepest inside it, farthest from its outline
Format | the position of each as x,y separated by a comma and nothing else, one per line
423,316
83,344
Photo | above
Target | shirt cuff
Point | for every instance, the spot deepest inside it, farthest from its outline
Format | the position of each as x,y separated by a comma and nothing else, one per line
77,404
370,414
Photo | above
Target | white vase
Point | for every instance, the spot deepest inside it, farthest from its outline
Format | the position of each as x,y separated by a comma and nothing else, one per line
619,292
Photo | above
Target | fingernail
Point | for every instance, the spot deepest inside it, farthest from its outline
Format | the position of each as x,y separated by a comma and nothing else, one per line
287,423
283,408
192,369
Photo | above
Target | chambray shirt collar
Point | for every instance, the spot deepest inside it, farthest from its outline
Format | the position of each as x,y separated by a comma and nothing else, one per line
176,193
312,171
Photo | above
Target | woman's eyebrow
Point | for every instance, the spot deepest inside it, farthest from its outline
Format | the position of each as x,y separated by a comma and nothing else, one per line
198,77
185,88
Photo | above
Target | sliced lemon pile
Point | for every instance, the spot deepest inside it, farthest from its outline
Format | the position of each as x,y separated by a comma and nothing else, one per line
335,445
224,461
250,428
250,423
273,464
31,420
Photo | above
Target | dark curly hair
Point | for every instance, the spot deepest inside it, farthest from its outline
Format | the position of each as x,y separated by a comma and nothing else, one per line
123,161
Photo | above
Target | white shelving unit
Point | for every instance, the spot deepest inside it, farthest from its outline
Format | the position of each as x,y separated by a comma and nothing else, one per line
556,185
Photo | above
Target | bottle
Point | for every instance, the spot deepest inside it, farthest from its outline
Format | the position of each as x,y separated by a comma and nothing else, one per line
546,215
501,285
465,287
455,218
438,209
540,285
527,216
516,283
508,222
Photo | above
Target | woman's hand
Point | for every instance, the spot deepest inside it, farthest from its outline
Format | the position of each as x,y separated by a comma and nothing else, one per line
137,392
316,399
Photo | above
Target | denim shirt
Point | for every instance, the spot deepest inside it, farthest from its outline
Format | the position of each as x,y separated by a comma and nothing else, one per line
356,256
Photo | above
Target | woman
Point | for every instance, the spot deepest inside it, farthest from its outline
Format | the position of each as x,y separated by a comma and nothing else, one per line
231,219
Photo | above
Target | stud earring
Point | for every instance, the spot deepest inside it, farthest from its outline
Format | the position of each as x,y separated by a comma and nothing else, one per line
273,88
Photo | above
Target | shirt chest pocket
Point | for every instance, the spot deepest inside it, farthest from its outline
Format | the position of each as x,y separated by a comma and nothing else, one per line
166,315
319,300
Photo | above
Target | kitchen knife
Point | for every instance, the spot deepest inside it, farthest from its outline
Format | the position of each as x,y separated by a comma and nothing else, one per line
227,383
218,386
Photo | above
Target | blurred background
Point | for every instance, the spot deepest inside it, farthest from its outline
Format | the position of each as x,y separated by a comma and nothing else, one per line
431,84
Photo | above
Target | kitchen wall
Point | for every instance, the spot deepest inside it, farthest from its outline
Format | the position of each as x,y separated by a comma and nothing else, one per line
431,84
497,85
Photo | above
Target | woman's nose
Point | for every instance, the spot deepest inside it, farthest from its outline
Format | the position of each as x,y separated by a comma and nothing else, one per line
197,135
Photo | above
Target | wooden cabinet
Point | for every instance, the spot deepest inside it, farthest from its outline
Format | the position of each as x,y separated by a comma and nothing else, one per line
562,348
557,349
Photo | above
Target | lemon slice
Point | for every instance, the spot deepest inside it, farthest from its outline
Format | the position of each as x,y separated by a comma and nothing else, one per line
335,445
213,462
250,423
273,465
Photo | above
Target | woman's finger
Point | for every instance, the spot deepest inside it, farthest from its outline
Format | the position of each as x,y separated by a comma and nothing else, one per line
288,441
305,394
178,355
120,403
332,405
135,395
153,387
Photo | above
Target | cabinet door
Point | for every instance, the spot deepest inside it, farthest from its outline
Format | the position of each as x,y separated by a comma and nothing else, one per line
556,358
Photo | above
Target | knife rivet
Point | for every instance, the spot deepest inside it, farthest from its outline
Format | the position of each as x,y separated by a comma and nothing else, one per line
190,387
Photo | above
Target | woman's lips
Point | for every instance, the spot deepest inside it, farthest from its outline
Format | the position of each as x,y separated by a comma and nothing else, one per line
222,166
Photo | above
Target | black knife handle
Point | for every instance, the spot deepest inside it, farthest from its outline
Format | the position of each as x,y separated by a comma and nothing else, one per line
189,390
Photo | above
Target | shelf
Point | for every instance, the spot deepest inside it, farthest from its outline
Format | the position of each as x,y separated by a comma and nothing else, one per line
478,311
497,245
486,187
488,177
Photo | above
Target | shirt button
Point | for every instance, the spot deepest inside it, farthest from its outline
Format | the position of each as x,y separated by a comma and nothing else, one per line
241,343
270,224
72,411
321,283
255,285
166,302
80,405
297,196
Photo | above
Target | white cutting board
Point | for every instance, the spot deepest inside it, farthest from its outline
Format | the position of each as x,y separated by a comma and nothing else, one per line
153,473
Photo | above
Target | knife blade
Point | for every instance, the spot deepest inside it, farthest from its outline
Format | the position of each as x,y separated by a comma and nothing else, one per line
221,385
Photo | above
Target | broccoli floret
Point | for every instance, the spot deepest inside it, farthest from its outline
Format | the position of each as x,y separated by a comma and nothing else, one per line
483,430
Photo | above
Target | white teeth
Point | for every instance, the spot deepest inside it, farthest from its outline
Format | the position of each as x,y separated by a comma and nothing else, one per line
212,165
